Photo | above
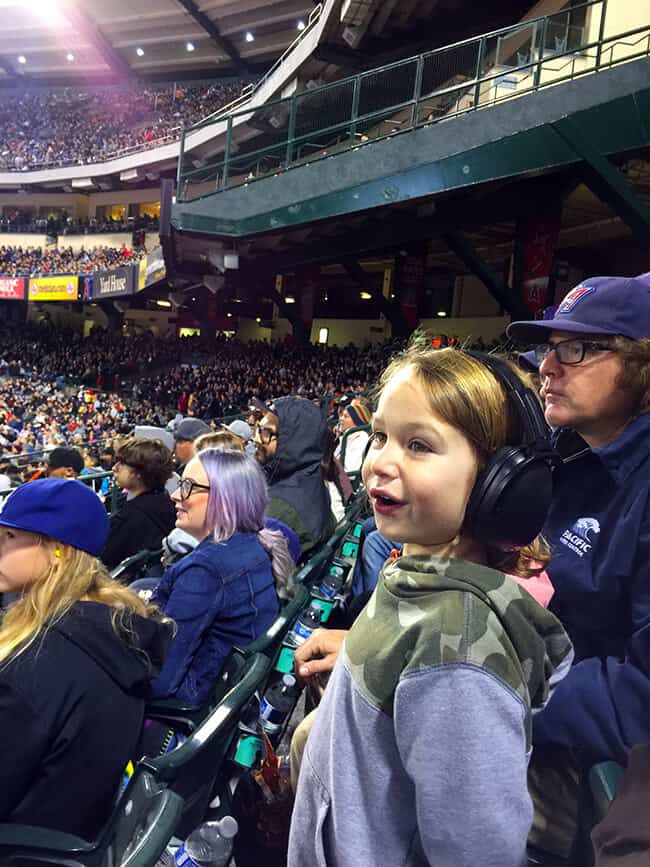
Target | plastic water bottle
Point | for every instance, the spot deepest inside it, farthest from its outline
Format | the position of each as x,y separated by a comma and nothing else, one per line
306,624
210,845
276,703
166,859
332,582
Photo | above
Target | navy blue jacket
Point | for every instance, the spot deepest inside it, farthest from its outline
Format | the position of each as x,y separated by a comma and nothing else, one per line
599,532
219,595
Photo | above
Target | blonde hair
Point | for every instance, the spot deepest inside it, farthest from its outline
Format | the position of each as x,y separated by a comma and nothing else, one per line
220,439
465,394
72,576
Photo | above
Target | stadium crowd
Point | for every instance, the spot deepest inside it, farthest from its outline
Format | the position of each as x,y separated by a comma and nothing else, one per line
25,223
31,261
493,647
71,126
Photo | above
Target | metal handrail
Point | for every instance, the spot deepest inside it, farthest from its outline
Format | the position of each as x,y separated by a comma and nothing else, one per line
286,151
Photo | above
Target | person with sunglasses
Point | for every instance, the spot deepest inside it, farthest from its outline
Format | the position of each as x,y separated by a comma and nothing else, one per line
594,365
222,593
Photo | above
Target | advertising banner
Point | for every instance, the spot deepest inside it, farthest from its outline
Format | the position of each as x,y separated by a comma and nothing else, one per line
54,288
538,240
112,284
12,288
152,268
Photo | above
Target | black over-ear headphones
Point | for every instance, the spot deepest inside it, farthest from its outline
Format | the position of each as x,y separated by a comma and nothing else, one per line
512,494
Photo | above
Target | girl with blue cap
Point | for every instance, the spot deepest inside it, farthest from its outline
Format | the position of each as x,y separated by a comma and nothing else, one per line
77,651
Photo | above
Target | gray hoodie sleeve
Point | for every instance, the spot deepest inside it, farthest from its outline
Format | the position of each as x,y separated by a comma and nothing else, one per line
461,736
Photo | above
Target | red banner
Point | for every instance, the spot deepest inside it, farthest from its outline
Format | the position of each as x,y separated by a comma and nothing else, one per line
13,288
539,239
411,271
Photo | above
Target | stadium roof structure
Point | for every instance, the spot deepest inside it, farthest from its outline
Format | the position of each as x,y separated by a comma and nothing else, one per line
77,41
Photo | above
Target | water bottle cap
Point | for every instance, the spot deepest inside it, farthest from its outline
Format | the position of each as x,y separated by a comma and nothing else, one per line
228,827
289,680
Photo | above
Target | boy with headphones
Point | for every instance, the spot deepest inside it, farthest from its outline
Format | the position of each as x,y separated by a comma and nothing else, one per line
594,364
420,748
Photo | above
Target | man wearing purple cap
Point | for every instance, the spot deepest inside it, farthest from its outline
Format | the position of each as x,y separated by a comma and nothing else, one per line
594,364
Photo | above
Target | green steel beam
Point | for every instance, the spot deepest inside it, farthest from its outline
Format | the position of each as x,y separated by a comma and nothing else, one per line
500,291
606,181
392,312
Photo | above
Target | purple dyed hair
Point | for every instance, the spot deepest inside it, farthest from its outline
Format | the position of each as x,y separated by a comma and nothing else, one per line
238,494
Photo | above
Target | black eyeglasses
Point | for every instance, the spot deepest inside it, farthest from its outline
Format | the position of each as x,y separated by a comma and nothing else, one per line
265,434
187,487
570,351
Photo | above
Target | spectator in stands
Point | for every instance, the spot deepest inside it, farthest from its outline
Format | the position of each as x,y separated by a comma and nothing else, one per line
222,593
356,414
188,430
64,463
142,467
77,652
443,668
289,444
244,432
594,362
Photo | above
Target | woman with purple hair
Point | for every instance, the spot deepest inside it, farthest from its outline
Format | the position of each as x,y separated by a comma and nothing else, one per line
223,592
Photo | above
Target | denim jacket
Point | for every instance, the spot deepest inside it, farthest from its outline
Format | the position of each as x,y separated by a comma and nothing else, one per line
219,595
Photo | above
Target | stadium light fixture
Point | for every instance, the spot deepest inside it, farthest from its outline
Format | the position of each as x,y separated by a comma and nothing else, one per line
189,46
442,313
249,36
300,25
289,299
22,58
365,296
70,57
258,319
229,315
139,51
162,303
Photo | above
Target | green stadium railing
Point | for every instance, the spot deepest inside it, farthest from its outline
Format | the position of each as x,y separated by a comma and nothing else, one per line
419,91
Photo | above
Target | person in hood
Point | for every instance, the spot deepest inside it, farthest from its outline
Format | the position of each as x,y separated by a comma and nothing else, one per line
77,652
142,467
289,443
420,748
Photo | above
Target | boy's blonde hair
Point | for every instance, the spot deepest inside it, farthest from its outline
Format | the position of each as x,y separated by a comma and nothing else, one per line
72,576
466,395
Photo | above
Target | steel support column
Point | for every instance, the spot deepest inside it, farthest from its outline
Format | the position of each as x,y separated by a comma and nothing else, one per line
607,182
500,291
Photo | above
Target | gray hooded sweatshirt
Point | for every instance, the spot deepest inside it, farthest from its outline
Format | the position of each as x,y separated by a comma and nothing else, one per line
420,749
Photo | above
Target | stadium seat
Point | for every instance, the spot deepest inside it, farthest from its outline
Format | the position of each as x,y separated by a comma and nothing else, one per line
143,822
194,769
136,565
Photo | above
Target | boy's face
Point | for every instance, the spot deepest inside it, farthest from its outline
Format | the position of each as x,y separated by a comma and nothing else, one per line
419,470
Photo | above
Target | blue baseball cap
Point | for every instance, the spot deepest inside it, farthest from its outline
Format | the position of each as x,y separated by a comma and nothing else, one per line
63,509
598,305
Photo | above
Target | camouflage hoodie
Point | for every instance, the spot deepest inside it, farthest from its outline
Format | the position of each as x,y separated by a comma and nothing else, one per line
420,749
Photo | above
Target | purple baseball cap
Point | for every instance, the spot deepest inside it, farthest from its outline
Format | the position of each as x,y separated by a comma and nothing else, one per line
598,305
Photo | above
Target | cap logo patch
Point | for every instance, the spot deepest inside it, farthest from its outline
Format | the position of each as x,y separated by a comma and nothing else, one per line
574,296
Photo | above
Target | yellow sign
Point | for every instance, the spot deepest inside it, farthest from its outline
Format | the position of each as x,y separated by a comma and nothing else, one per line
142,273
53,288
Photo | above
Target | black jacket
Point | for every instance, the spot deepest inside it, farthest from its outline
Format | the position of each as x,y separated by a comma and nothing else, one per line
71,711
140,525
297,493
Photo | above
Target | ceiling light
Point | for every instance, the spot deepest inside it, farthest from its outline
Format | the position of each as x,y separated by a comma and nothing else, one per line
258,319
442,312
139,51
70,57
249,36
22,58
300,25
289,299
189,46
162,303
229,315
366,296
